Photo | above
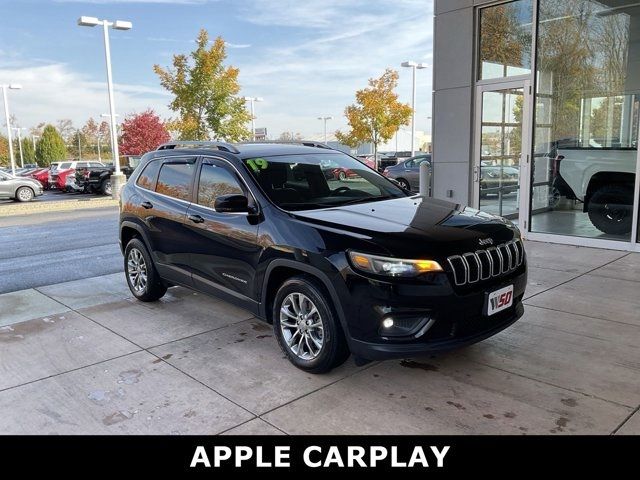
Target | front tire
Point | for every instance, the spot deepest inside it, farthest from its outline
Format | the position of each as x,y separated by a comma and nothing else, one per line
142,277
610,209
307,328
342,176
24,194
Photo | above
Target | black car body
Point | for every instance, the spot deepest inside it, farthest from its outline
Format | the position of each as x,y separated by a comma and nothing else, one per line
247,251
96,178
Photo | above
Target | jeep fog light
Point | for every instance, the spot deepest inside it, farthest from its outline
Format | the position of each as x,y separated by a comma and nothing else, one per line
387,323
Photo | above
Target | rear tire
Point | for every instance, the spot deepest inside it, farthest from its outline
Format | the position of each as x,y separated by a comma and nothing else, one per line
307,329
342,176
105,187
404,183
25,194
142,277
611,209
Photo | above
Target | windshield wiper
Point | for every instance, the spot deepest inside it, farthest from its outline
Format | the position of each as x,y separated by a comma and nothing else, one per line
364,200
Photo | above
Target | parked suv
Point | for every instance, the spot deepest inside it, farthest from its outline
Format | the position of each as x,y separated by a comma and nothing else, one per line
337,266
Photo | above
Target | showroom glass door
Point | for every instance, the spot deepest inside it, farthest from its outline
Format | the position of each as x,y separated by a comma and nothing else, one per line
501,151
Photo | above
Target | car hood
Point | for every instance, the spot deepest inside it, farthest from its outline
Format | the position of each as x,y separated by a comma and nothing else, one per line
415,226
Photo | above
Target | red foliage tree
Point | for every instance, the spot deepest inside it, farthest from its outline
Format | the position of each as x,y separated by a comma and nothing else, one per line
142,132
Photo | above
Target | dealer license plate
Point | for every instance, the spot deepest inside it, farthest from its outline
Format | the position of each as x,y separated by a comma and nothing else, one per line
499,300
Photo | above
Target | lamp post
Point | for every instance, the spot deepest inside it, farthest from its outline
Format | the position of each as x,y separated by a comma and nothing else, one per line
117,179
99,155
33,139
252,100
414,66
324,119
4,88
79,145
106,115
19,130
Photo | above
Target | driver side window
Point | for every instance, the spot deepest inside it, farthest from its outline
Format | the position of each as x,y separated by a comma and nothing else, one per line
215,181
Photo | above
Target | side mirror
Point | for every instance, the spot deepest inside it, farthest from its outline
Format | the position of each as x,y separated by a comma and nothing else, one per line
232,204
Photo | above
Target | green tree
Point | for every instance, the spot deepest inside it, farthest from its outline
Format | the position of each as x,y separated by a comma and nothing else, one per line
205,94
28,152
50,146
377,114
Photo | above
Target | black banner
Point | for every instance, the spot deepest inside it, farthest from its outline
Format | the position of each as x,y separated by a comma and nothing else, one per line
397,455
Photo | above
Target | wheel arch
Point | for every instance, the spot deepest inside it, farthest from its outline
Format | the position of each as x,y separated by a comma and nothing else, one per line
601,179
128,230
280,270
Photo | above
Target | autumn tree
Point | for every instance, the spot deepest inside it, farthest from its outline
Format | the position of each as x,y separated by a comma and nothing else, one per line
205,93
377,114
142,133
4,151
50,146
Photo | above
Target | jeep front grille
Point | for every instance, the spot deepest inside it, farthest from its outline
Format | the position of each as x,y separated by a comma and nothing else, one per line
483,265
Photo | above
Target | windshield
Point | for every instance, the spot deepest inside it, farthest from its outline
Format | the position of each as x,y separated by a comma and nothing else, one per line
312,181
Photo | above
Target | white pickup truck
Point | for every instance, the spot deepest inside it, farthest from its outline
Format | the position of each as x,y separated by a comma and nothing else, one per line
604,179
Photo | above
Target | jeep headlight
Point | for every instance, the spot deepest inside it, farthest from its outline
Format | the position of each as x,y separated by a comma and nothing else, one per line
392,267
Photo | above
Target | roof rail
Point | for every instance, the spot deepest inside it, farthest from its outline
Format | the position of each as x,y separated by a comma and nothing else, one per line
306,143
179,144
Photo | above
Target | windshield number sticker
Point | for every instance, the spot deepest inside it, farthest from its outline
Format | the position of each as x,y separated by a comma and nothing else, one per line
257,164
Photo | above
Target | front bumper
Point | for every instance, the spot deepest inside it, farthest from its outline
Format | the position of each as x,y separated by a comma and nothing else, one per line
444,318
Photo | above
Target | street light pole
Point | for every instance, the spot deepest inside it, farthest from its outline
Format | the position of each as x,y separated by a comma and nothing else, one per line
8,120
19,129
117,179
414,66
324,119
251,100
99,156
79,146
33,139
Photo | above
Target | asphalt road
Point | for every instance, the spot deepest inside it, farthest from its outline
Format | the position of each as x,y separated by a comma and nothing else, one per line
57,196
54,247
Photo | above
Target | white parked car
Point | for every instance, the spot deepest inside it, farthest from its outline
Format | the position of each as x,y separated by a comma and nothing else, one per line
604,179
21,189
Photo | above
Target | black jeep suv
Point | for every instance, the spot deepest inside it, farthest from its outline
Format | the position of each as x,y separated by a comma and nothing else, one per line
338,263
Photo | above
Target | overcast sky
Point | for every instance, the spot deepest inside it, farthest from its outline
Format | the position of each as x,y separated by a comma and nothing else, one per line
305,57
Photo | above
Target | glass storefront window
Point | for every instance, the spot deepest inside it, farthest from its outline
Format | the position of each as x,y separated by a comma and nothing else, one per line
587,108
506,31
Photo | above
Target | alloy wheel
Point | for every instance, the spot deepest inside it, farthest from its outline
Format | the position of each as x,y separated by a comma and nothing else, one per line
25,194
301,326
137,271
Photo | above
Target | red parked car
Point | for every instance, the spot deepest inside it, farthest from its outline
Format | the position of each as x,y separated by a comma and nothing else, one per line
42,175
344,173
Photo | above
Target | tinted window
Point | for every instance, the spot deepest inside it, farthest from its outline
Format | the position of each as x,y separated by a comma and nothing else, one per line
62,166
96,164
175,180
214,182
147,178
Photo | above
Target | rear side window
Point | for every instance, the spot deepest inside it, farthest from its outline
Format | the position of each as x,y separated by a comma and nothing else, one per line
63,166
147,178
175,180
216,181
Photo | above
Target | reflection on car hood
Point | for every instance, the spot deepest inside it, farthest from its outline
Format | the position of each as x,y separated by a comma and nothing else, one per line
416,225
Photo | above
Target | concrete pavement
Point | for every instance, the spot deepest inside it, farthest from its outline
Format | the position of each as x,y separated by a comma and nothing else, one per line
73,362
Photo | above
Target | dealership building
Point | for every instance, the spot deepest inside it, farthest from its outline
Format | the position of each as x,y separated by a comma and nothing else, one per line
536,109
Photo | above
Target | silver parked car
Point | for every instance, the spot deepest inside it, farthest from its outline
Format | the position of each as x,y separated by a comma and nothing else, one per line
21,189
407,172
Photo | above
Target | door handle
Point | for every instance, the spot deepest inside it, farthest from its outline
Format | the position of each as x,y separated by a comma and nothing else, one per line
196,218
147,205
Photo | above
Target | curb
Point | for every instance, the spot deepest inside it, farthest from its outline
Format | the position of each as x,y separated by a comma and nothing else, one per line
59,206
